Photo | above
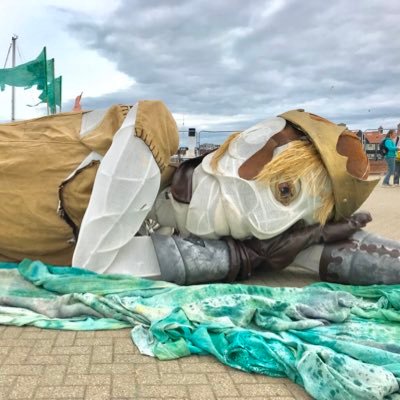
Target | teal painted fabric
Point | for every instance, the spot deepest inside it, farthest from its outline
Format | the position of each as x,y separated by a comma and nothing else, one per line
339,342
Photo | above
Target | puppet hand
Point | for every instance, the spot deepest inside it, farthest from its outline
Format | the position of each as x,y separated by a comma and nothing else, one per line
361,218
336,231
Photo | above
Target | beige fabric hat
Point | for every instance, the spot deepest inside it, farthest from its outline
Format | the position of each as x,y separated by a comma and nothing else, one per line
343,156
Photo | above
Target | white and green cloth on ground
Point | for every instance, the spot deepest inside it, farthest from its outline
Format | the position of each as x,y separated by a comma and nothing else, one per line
338,341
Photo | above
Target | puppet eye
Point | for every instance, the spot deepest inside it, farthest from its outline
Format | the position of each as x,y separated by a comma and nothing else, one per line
286,192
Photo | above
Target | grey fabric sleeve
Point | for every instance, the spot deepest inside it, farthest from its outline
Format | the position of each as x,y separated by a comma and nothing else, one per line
191,260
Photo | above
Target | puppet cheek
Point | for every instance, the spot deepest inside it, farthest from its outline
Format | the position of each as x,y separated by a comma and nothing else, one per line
251,209
272,218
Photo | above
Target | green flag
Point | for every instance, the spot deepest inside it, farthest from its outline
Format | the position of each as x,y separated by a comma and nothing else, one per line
57,91
54,93
48,95
26,75
52,96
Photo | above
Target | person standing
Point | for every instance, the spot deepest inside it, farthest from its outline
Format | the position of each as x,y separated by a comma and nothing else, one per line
390,156
397,161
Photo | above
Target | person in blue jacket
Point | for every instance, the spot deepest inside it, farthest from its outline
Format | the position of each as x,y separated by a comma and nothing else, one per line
390,156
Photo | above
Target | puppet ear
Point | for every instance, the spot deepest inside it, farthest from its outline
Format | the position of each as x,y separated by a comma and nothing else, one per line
254,138
357,164
254,165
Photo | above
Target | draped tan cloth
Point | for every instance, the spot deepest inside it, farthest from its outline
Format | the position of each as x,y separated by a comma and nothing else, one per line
43,195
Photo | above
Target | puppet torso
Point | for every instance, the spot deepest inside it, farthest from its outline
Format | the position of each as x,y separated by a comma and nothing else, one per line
40,163
49,166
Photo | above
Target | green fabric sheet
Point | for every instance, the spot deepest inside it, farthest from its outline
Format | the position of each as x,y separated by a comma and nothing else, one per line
337,341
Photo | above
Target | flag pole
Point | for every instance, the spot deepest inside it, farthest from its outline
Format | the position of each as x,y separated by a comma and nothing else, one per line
46,86
54,110
14,39
60,93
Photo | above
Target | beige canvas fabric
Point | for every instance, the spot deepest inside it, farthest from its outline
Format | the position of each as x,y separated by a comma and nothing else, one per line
156,126
37,159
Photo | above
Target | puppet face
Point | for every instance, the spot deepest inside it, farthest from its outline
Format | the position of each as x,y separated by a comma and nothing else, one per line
269,205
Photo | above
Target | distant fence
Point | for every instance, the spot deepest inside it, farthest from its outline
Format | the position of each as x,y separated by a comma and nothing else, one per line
206,136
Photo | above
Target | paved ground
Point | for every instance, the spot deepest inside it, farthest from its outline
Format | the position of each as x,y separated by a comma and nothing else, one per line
43,364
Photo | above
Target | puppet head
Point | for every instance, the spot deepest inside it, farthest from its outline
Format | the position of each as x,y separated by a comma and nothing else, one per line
304,166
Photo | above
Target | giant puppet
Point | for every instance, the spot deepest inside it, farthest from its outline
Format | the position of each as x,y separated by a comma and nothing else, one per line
80,189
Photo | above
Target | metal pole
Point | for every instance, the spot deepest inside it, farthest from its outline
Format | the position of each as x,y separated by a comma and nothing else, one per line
14,39
60,94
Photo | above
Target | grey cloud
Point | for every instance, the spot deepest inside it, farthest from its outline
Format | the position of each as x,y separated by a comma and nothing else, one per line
255,58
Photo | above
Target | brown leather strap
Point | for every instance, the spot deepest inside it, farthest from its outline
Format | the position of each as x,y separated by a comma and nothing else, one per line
181,186
235,260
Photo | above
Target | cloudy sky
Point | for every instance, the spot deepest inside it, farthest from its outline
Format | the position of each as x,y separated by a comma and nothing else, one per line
217,64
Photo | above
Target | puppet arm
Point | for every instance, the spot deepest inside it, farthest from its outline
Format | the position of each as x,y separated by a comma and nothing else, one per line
195,260
124,190
362,259
280,251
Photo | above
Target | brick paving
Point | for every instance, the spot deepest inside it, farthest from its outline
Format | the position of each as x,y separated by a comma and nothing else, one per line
45,364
